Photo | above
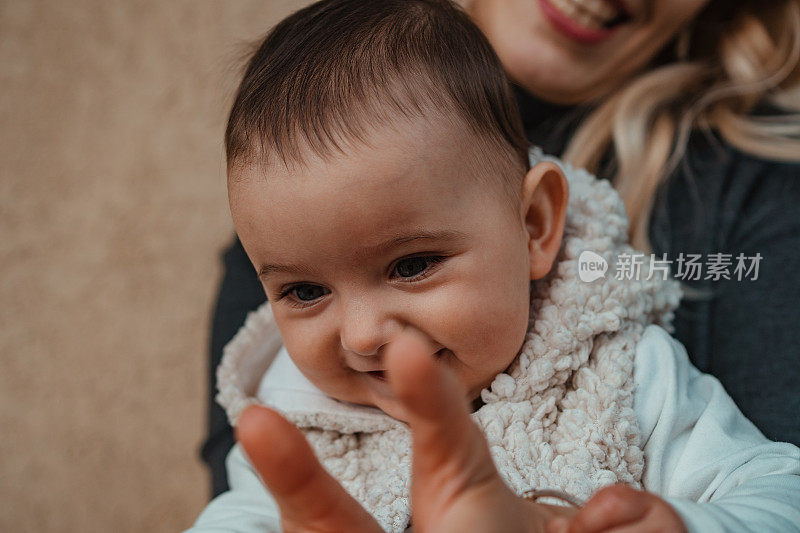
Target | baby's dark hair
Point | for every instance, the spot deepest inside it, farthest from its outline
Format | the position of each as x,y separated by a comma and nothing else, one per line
337,67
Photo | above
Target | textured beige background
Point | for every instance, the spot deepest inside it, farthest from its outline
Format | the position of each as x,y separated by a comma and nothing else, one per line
112,215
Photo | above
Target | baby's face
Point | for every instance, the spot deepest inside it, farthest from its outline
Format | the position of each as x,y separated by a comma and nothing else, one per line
394,239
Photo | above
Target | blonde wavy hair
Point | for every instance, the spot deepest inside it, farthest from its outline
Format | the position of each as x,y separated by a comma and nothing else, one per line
734,55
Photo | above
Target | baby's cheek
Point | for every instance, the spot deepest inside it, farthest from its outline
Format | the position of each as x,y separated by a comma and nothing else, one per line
491,327
505,297
503,333
311,352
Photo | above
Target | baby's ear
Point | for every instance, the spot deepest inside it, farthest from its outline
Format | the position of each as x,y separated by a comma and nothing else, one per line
544,206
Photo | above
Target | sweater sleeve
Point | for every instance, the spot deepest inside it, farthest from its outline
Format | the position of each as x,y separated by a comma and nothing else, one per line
702,455
752,324
740,326
239,293
247,507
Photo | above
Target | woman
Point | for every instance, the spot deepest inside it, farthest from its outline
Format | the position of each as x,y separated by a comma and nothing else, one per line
684,106
678,104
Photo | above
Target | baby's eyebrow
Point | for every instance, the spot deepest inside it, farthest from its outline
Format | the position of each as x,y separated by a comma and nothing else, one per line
397,240
372,250
269,268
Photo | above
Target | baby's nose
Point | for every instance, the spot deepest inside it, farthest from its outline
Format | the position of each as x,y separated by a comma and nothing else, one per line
365,330
359,341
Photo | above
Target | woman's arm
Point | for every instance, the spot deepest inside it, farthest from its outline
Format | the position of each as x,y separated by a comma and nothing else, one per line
753,324
742,331
702,455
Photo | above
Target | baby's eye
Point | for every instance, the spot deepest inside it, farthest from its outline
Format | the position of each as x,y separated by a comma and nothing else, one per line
308,292
415,267
303,294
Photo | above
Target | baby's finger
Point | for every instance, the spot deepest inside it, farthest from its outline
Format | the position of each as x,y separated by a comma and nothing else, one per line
307,495
434,401
610,507
450,453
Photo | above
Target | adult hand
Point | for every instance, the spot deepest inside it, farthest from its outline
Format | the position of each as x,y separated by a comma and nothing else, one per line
454,485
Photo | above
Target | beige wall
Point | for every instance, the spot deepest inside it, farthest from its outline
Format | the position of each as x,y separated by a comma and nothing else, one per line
112,215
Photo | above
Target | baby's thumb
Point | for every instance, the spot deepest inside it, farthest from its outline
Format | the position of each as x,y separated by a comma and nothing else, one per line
428,392
450,452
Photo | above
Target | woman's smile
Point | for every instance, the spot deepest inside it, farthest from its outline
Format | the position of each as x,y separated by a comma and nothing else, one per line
577,51
586,21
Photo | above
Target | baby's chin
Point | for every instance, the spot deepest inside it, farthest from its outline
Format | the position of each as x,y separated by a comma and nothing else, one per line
394,408
379,395
376,394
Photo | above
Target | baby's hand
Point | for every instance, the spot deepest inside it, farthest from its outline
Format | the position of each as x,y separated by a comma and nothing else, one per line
621,508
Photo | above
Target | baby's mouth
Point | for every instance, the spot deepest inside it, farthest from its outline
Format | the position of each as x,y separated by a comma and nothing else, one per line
378,374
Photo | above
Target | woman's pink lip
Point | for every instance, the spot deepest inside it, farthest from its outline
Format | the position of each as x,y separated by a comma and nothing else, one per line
568,27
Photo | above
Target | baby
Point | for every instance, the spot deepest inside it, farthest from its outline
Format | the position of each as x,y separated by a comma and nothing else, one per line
381,184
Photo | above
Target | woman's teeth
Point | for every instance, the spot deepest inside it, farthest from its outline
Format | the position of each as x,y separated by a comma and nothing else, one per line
592,14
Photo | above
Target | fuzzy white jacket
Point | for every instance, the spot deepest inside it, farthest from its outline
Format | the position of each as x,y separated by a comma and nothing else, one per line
702,455
596,395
